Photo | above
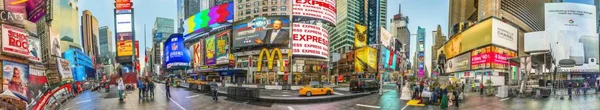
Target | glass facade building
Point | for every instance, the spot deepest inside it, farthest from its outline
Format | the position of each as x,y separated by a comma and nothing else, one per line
81,64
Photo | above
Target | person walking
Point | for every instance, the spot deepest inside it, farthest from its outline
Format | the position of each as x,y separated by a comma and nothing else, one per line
473,87
456,93
167,84
151,88
585,87
481,86
570,89
140,85
120,87
214,88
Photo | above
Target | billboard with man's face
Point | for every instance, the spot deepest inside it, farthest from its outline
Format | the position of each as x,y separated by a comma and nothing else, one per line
270,31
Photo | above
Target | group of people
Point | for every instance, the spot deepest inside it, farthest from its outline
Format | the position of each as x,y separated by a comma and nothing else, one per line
437,94
578,87
146,88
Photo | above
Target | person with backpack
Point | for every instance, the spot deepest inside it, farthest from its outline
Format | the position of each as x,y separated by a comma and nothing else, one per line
214,88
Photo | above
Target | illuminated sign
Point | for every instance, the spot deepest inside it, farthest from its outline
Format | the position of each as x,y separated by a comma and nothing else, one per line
15,41
272,31
310,40
175,52
270,57
218,14
320,9
124,44
124,23
360,35
365,59
491,57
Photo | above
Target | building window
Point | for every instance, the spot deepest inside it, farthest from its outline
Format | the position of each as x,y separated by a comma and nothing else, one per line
265,14
273,2
256,3
274,8
265,9
265,2
273,13
282,13
255,10
240,6
241,13
247,11
283,8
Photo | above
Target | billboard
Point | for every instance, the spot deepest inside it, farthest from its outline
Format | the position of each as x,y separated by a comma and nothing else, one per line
210,51
320,9
198,51
16,6
310,40
35,52
64,68
123,4
491,57
490,31
270,31
15,79
55,42
458,63
36,9
124,44
137,49
365,59
11,17
175,52
360,35
15,41
386,38
270,59
200,21
124,22
222,47
571,32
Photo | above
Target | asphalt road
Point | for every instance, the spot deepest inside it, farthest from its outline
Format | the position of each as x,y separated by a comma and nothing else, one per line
182,99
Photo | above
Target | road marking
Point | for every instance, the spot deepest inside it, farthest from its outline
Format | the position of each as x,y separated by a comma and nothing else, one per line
338,93
290,108
192,96
370,106
176,103
404,107
504,99
286,95
83,101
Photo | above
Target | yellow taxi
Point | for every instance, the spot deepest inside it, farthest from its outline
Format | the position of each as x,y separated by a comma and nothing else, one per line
310,90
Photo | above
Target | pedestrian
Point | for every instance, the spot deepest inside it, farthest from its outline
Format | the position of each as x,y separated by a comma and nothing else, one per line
167,84
481,88
462,86
569,89
120,87
444,101
456,94
473,87
214,87
151,88
598,86
585,87
140,85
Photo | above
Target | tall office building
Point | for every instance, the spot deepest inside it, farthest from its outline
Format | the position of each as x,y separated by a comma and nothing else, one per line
89,33
373,18
399,29
163,28
438,41
421,52
349,12
105,40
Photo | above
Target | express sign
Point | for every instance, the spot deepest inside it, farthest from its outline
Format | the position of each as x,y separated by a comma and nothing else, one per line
15,41
310,40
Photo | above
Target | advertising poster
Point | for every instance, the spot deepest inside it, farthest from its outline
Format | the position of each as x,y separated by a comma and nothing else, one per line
124,23
55,42
320,9
199,22
491,57
15,79
269,31
458,63
386,38
64,68
16,6
37,80
210,51
124,44
360,35
15,41
365,60
35,53
571,31
310,40
504,34
36,9
198,51
176,54
222,44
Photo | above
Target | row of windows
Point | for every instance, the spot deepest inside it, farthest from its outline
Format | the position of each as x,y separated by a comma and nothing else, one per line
248,17
264,9
264,2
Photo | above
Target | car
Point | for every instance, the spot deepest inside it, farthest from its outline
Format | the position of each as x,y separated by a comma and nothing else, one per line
363,85
310,90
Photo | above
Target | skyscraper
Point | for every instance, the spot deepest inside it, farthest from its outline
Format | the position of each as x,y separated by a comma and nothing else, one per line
373,18
163,28
421,52
398,28
105,40
89,33
349,12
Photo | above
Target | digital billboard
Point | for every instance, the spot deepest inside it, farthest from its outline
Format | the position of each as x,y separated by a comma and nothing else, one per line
176,53
123,4
490,31
310,40
365,59
124,22
124,44
491,57
199,21
15,41
222,47
198,53
36,9
16,6
360,35
15,78
458,63
320,9
210,51
273,31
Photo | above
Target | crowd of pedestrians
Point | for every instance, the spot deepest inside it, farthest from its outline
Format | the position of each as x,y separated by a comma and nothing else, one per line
429,91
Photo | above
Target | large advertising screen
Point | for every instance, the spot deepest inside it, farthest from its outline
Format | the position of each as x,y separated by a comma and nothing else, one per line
222,47
458,63
16,6
176,53
365,60
124,44
198,22
15,79
491,31
210,51
15,41
360,35
310,40
36,9
35,53
124,22
198,51
491,57
320,9
571,29
273,31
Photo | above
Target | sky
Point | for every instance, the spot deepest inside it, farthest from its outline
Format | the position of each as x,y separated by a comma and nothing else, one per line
424,13
145,12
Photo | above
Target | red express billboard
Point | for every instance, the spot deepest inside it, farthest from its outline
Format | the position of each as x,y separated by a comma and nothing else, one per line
310,40
321,9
